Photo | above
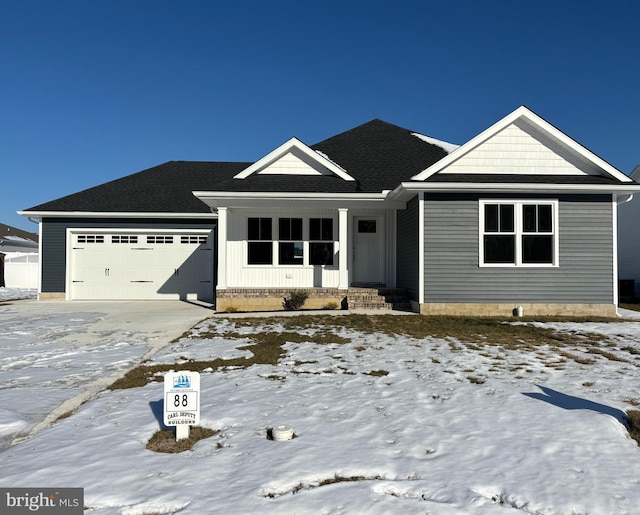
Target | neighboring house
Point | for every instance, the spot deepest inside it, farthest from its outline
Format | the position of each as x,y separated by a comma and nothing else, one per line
519,216
629,245
18,258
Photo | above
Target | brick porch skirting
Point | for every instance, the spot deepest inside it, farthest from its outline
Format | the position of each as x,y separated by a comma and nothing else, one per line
271,299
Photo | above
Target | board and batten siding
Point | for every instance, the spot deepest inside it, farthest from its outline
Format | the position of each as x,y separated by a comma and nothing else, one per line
452,273
240,274
53,241
408,247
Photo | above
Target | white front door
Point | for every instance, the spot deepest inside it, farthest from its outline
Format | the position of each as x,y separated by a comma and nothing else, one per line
368,250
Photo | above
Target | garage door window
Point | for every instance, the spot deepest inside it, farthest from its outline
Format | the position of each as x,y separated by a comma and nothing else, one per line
193,239
160,239
117,238
90,238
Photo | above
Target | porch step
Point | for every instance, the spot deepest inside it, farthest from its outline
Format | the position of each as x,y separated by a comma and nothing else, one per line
378,299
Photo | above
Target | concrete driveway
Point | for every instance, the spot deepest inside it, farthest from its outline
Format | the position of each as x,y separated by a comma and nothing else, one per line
57,355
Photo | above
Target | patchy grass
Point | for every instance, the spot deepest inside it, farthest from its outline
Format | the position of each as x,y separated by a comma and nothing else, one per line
377,373
323,482
476,331
165,441
266,349
486,336
633,424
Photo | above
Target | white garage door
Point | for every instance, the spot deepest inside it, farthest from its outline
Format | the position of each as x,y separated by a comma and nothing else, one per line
141,265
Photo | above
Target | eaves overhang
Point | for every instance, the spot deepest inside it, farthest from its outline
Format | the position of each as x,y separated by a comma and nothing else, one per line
102,214
216,199
407,190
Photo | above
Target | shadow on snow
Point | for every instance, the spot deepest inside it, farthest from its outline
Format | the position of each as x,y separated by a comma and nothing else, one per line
569,402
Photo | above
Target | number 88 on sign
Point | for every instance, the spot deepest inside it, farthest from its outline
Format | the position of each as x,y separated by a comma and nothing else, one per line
181,398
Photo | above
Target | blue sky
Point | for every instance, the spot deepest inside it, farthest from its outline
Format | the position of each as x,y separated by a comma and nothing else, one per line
91,91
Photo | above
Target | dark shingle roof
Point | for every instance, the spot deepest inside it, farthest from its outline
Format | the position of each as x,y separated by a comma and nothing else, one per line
162,189
378,154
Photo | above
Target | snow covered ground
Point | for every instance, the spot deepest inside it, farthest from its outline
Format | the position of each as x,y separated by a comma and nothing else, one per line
450,429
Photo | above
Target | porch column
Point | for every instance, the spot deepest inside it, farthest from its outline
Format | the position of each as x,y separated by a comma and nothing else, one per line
222,248
343,236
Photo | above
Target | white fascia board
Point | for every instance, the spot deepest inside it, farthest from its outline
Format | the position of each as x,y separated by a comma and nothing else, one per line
405,190
215,199
285,148
109,214
535,121
288,195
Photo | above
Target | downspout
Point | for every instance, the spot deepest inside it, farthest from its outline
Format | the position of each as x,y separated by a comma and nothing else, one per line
614,217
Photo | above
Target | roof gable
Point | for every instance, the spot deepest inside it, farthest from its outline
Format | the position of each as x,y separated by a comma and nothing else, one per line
380,155
294,158
522,143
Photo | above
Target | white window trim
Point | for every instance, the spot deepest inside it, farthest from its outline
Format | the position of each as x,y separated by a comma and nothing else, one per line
518,232
275,241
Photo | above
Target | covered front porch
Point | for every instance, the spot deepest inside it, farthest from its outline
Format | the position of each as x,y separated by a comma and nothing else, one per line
317,249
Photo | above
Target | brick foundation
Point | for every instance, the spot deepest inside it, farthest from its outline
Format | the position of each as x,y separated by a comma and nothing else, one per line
271,299
504,310
52,296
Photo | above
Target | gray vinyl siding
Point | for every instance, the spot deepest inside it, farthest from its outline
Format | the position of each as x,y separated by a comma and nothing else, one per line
584,275
408,246
54,244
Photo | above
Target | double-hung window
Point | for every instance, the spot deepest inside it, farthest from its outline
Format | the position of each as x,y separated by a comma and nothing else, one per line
321,241
519,233
290,246
260,242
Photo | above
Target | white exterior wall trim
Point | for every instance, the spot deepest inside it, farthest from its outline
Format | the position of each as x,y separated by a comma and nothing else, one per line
114,214
40,260
614,243
343,246
407,189
421,249
222,249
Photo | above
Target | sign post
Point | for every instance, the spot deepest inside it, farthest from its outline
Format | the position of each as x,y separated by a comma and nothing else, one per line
181,401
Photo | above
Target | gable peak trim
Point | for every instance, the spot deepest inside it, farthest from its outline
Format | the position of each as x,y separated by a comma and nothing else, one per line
294,144
537,122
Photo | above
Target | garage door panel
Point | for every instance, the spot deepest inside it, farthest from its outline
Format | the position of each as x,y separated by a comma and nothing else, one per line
142,266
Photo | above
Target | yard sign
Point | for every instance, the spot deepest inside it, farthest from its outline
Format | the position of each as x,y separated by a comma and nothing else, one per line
181,398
